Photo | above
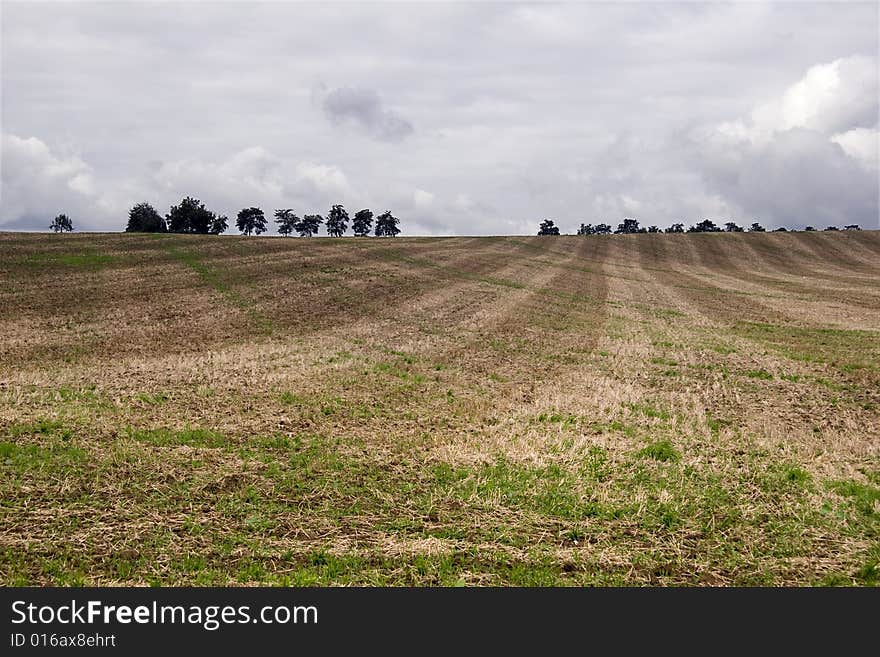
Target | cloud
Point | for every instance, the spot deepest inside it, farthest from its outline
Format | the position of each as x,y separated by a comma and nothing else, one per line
800,177
808,156
252,175
364,109
862,144
37,183
503,113
830,98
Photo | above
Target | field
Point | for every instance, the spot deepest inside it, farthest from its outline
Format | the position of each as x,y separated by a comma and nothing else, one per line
699,409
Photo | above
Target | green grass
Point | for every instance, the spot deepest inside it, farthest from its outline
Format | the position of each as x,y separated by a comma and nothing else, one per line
292,399
660,360
865,497
650,411
41,426
848,350
764,375
163,437
152,399
54,457
662,450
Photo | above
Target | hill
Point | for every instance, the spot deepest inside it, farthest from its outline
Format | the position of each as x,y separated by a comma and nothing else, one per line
634,409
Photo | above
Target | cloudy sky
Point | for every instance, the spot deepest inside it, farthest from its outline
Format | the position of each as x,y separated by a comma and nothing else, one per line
462,118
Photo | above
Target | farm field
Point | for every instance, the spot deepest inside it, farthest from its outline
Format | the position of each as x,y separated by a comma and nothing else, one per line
699,409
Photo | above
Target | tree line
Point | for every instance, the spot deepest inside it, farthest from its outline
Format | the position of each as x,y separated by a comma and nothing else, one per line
630,225
191,216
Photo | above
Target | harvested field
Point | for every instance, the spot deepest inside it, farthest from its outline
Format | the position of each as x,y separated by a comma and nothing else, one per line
607,410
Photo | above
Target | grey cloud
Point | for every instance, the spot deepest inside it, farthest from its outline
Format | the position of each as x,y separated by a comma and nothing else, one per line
578,112
797,179
365,109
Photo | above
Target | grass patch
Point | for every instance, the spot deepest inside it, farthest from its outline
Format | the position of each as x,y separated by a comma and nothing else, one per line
292,399
759,374
650,411
662,450
660,360
162,437
865,498
152,399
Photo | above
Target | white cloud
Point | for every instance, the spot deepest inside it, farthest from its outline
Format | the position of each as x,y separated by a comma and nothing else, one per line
327,179
829,98
37,183
422,199
807,157
862,144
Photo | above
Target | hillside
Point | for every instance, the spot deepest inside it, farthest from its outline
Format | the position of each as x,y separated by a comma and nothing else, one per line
634,409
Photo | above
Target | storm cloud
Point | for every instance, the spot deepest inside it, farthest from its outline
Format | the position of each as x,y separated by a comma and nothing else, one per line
463,118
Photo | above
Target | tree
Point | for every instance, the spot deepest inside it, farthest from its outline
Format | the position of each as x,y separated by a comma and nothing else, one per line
831,228
731,227
705,226
586,229
781,229
61,223
675,228
852,227
756,228
191,216
309,225
251,220
629,225
362,223
143,218
809,229
547,227
386,225
287,221
337,221
602,229
219,224
653,229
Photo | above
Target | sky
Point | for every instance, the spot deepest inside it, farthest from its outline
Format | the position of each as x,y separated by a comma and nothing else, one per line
461,118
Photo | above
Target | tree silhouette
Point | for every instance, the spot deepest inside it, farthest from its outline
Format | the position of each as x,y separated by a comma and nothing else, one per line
731,227
809,229
143,218
362,223
831,228
61,223
756,228
337,221
852,227
219,224
653,229
309,225
547,227
287,221
705,226
781,229
675,228
602,229
629,225
191,216
386,225
586,229
251,220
